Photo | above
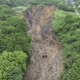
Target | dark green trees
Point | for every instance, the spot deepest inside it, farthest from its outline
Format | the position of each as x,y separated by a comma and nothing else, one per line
13,3
14,45
5,12
13,31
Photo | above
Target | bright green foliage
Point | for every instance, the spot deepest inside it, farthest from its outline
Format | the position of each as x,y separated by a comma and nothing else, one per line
12,65
67,27
14,45
13,34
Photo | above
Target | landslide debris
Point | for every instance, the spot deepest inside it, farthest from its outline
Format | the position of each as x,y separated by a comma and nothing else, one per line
47,55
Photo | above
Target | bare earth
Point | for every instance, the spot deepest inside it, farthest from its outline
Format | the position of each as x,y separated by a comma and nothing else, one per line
47,55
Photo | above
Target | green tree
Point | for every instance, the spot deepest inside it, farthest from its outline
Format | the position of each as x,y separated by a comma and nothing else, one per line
15,45
13,32
67,27
5,12
12,65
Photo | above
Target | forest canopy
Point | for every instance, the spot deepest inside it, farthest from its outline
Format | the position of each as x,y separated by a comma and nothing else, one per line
15,44
67,27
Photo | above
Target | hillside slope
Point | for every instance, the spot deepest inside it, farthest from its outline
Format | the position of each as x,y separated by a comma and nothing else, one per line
47,55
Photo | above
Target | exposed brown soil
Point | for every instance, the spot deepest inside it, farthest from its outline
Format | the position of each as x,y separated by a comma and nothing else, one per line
47,56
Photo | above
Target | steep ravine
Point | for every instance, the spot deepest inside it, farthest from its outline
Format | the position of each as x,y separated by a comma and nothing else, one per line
47,56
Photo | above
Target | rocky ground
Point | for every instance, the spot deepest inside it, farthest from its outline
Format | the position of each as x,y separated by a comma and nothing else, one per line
47,56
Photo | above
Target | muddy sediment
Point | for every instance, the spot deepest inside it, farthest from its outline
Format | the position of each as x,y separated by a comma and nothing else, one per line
47,56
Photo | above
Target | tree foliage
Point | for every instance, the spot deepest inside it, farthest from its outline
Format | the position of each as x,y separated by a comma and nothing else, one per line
13,3
67,27
58,3
12,65
14,45
13,34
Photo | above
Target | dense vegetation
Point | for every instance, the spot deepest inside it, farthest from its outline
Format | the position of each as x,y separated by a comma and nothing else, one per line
15,42
77,4
14,45
12,65
59,3
67,27
13,3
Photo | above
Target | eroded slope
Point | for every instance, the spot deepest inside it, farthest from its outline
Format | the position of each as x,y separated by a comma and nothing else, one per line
47,55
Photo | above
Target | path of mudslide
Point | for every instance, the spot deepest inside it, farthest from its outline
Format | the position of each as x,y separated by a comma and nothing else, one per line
47,55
